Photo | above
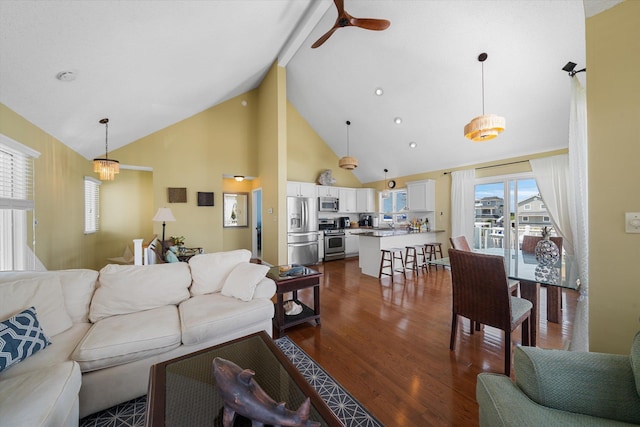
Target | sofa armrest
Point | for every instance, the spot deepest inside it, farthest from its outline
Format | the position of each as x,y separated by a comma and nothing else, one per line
266,288
502,403
597,384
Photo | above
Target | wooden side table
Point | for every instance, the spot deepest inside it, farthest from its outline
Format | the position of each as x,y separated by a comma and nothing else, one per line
306,278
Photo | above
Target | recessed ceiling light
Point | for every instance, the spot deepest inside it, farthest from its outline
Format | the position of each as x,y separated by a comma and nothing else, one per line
379,91
397,120
66,76
413,144
244,103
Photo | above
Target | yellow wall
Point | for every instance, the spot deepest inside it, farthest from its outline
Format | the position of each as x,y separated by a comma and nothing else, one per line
308,155
59,197
613,101
194,154
272,162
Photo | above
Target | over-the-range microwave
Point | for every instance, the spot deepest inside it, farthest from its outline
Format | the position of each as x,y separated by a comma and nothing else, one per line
328,204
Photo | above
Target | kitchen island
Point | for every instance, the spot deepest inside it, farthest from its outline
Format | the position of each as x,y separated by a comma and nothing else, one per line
371,242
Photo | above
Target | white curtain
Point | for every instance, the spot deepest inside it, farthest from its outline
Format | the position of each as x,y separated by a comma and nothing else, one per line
578,204
553,179
562,181
463,204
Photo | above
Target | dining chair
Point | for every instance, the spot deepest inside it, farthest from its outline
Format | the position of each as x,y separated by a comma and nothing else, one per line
481,294
529,243
460,243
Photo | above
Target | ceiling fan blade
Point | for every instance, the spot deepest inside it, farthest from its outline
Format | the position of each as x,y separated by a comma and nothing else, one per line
324,38
340,6
370,23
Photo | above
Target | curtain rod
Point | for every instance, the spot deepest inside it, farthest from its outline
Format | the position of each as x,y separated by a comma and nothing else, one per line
495,166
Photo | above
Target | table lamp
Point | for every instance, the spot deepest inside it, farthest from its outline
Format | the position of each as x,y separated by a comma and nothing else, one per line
164,215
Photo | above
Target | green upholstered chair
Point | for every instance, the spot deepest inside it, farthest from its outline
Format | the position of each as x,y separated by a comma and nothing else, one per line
563,388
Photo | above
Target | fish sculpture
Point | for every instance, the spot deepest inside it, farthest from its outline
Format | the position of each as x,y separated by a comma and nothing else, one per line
243,395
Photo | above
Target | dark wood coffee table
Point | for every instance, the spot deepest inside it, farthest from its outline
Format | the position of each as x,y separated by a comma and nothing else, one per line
182,391
304,278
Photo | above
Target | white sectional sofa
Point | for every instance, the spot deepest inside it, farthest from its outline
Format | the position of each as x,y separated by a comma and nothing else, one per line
107,328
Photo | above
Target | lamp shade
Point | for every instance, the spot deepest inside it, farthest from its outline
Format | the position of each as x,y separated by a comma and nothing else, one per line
484,128
164,215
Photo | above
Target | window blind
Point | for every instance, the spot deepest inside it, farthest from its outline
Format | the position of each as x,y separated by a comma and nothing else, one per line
91,204
16,178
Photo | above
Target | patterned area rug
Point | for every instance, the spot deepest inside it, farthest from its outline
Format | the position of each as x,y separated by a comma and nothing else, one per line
345,406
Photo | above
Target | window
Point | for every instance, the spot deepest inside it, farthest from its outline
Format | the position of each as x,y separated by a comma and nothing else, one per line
396,202
546,219
16,205
91,205
525,219
527,207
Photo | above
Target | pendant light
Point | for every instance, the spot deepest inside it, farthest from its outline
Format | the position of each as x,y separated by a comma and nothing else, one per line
107,168
347,162
385,192
484,127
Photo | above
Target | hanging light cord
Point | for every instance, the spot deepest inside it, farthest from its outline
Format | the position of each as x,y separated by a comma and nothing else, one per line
482,62
105,122
348,124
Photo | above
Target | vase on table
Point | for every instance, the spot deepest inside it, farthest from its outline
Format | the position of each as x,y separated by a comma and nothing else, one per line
547,252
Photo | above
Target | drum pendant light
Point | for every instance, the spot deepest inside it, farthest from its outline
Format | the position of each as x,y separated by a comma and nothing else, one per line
484,127
348,162
106,167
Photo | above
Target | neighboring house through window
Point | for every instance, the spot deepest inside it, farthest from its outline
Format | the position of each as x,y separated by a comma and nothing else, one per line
16,205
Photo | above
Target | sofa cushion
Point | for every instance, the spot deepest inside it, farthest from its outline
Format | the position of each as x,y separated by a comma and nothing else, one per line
20,337
78,286
243,279
42,292
206,316
124,289
635,360
121,339
42,397
209,271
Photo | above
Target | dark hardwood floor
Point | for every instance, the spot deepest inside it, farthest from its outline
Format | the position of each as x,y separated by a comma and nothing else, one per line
388,344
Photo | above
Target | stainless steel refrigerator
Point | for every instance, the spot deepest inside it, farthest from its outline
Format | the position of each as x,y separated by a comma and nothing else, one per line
302,230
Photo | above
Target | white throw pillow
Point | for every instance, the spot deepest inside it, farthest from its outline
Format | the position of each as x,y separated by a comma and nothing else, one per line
242,281
124,289
43,293
209,271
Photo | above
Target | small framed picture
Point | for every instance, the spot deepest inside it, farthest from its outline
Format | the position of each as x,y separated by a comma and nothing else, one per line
205,198
177,195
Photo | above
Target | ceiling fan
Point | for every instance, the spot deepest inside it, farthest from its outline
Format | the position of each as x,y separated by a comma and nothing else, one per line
346,20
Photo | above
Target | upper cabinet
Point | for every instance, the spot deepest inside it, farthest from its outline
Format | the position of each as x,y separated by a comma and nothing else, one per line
327,191
421,195
301,189
348,201
365,200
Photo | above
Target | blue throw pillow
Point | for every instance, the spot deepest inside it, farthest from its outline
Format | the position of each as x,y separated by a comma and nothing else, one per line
20,337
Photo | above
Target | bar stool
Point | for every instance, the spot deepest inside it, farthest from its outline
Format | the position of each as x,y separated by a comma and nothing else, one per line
412,258
432,250
388,259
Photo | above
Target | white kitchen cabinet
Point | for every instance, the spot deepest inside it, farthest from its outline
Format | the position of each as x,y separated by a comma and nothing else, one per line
365,200
351,243
327,191
348,200
301,189
421,195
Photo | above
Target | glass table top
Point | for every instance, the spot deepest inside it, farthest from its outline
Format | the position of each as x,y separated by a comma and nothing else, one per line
523,266
191,396
286,272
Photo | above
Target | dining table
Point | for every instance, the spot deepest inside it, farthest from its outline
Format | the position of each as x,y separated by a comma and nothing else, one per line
563,274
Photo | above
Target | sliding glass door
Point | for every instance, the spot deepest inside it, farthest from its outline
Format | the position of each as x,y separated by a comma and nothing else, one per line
506,209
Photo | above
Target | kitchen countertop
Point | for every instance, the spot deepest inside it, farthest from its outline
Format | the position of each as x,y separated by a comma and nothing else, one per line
386,232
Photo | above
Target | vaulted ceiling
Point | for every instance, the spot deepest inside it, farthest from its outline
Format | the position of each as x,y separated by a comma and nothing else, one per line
147,65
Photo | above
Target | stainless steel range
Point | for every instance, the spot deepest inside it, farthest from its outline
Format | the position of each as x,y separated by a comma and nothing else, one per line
334,244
